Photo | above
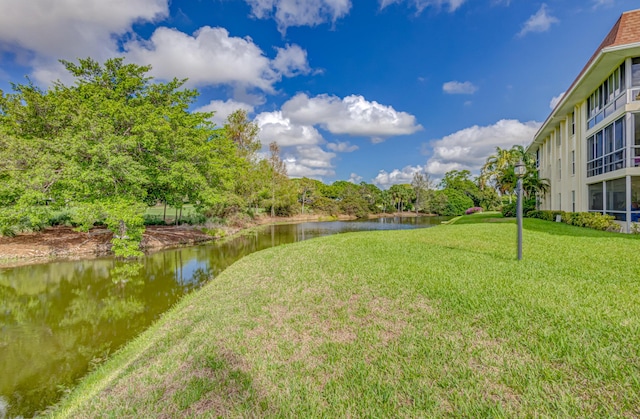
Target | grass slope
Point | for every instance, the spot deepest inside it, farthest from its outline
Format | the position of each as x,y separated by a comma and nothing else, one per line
435,322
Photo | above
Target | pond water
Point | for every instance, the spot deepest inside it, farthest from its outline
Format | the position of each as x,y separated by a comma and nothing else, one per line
60,318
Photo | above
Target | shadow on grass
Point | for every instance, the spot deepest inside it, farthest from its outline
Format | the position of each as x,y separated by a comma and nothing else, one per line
482,217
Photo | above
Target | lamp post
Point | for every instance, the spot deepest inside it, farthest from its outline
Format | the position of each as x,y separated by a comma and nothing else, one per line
519,170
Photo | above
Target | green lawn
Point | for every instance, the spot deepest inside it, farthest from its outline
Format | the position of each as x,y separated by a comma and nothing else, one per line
420,323
480,217
158,211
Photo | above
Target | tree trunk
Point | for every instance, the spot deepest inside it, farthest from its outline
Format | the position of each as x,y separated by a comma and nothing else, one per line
273,201
122,230
175,219
164,213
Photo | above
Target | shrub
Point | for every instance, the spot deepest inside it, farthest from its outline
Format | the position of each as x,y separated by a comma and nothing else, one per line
153,220
60,218
593,220
326,205
528,205
473,210
457,202
193,219
547,215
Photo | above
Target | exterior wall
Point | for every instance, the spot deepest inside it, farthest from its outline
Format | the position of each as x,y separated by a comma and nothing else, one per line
555,151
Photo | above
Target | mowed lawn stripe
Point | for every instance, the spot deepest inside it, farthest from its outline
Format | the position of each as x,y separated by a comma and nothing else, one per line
434,322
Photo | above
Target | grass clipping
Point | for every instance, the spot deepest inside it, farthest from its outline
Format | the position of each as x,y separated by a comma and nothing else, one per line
436,322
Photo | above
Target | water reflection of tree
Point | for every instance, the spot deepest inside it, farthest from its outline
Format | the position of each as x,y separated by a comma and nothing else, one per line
52,332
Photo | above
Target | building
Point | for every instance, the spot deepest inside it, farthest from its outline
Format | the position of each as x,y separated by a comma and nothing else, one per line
589,146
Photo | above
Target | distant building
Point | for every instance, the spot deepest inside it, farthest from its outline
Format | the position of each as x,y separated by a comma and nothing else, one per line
589,146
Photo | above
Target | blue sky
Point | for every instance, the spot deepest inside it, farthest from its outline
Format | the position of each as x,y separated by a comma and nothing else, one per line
361,90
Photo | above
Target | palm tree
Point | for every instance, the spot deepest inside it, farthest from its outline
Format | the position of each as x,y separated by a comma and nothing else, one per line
498,172
493,171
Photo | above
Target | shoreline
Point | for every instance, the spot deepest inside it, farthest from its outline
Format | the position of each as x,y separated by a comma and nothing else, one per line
64,243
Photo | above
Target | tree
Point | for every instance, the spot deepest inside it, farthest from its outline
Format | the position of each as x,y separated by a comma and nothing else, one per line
105,147
278,173
372,195
421,184
402,195
456,203
306,190
460,180
244,134
498,172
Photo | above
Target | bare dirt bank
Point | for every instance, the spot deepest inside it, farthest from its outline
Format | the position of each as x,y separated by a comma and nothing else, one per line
66,243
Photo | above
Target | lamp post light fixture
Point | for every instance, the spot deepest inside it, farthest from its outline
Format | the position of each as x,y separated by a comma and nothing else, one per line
520,170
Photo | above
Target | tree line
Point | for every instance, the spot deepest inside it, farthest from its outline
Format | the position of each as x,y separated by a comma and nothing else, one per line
116,142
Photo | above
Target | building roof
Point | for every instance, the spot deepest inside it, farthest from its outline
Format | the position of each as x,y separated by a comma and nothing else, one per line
625,34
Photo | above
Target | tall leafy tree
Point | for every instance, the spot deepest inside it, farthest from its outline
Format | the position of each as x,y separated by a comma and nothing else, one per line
249,181
422,185
278,174
106,146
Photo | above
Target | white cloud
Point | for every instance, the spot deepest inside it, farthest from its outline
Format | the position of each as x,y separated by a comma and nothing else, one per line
275,127
469,148
211,57
300,145
555,100
352,115
459,88
291,61
420,5
342,147
354,178
539,22
222,109
42,31
289,13
309,161
599,3
385,179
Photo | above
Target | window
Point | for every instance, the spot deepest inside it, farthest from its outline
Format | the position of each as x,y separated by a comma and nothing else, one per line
559,169
604,100
573,123
606,149
573,162
635,199
635,72
596,197
573,201
537,158
635,151
617,198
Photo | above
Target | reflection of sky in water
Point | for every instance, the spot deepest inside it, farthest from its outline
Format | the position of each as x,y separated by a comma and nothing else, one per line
186,272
